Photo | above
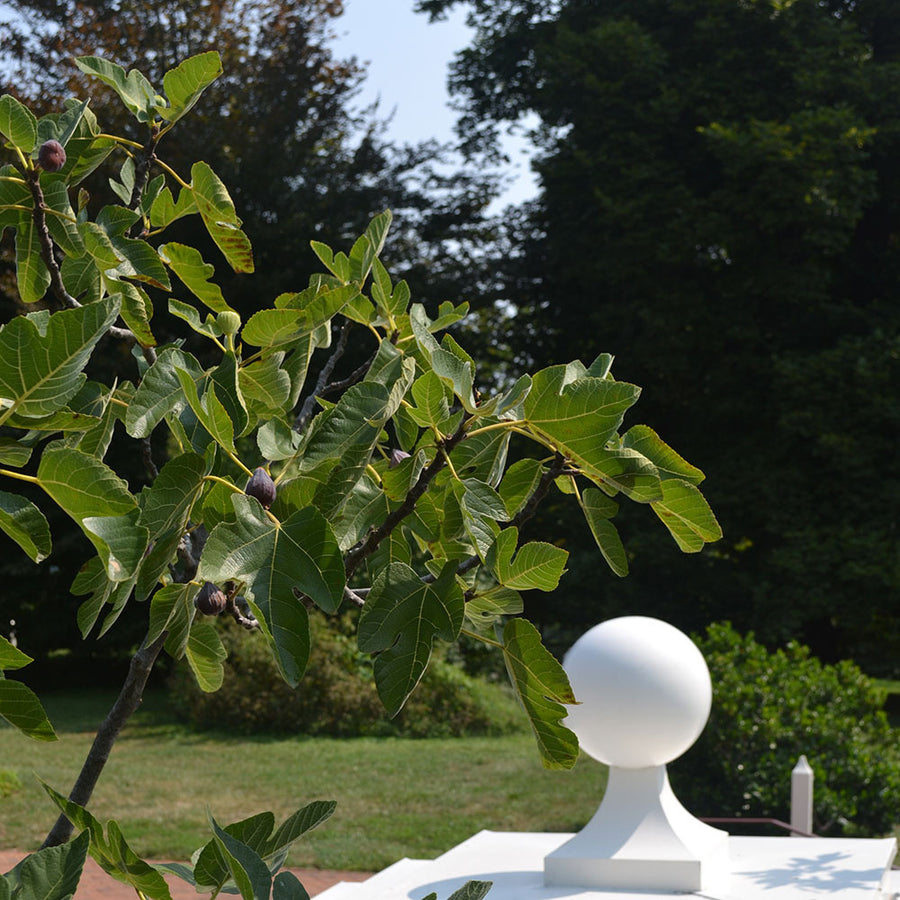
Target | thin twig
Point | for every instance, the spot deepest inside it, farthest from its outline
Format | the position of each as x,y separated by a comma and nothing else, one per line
356,556
65,299
147,457
350,380
309,403
356,596
557,468
142,176
46,244
126,704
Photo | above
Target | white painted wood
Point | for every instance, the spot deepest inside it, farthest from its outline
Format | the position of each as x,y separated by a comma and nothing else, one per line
802,779
761,869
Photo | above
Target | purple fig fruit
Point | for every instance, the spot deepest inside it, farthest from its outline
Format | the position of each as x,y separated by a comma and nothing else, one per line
397,457
52,156
262,487
211,600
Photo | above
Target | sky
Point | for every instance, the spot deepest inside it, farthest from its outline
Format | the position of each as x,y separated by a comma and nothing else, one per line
408,60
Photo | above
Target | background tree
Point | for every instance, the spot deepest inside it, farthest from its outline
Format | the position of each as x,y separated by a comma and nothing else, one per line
719,203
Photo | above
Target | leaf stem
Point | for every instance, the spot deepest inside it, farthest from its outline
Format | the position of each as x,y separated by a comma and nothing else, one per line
167,168
224,481
119,140
233,457
19,476
480,637
450,463
511,424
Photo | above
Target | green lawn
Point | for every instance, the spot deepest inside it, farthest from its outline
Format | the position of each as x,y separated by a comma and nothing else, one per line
395,797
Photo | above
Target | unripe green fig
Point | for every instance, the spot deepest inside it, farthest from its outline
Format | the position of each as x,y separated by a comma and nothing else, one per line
229,321
262,487
211,600
52,156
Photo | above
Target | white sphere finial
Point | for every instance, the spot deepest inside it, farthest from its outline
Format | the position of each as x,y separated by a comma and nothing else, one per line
644,692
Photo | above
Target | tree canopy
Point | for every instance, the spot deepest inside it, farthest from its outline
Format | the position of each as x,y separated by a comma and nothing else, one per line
719,204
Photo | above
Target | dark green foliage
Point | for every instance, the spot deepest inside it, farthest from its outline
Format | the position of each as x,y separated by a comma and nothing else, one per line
719,208
337,696
771,707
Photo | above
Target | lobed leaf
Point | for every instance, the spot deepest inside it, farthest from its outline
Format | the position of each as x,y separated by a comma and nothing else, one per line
400,622
188,265
40,367
160,391
275,558
133,89
537,565
579,417
542,687
685,512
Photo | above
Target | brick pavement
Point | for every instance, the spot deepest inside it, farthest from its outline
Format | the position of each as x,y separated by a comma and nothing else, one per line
95,884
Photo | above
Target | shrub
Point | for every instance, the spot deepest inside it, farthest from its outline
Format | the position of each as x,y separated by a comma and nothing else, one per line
337,695
768,709
9,782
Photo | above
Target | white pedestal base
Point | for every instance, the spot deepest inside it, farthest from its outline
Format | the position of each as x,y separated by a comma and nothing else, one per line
641,838
761,869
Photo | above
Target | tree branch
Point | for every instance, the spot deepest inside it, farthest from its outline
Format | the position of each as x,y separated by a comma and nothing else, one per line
126,703
142,176
557,467
309,403
65,299
356,556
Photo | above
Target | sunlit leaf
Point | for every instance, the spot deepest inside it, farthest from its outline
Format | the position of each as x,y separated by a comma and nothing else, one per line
17,123
578,417
542,687
275,558
186,82
26,525
133,89
218,214
20,707
188,265
536,566
41,369
685,512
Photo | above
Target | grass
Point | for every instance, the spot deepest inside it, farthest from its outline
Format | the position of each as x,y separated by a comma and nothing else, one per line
396,797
